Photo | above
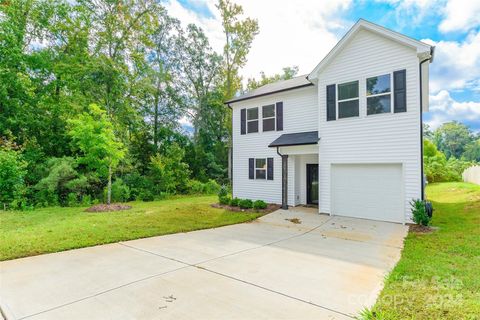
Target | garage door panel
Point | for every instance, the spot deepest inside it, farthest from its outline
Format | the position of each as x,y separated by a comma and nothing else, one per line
371,191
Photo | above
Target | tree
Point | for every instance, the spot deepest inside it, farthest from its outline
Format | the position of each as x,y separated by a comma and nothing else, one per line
12,176
451,138
472,151
93,136
288,73
169,171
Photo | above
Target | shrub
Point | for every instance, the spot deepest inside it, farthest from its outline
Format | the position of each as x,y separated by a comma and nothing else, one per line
120,191
234,202
72,199
195,187
224,200
212,187
259,204
245,204
146,195
86,200
169,171
419,212
12,177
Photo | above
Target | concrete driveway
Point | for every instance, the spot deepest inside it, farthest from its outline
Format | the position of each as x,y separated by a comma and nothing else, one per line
322,268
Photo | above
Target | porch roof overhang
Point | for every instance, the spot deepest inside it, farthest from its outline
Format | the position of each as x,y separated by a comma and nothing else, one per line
295,139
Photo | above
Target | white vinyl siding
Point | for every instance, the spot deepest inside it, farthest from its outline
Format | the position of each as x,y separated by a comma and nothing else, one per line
300,114
387,138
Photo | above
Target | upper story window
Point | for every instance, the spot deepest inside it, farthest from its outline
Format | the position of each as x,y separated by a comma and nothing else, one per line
268,115
348,101
252,120
379,97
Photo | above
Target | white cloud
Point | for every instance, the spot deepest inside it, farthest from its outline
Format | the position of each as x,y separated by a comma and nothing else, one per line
456,65
460,15
444,108
291,32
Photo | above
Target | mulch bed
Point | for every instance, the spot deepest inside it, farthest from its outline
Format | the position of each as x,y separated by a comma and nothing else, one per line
108,207
270,208
416,228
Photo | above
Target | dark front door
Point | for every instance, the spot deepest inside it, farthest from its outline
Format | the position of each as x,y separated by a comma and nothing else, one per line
312,184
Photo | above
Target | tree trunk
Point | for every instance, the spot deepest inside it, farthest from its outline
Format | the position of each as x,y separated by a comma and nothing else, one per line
109,186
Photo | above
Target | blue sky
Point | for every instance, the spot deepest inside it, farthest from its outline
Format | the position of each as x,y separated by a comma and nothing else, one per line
302,32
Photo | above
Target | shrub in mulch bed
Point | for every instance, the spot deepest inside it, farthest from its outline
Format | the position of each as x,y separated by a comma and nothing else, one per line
418,228
270,208
108,207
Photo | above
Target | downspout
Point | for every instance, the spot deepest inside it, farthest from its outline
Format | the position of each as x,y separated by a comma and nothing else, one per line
231,150
284,179
422,180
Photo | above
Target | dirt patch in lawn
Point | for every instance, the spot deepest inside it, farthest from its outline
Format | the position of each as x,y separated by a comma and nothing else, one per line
108,207
416,228
270,208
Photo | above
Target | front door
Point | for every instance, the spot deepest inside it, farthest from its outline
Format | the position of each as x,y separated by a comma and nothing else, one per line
312,184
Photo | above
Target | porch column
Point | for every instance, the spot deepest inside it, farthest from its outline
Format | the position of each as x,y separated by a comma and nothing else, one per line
285,182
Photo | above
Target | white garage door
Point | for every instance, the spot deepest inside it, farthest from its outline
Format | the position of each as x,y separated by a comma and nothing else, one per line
370,191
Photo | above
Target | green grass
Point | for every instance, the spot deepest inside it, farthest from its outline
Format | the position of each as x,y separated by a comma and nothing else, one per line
55,229
438,276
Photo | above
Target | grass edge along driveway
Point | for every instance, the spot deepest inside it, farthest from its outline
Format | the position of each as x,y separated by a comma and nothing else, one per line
54,229
438,275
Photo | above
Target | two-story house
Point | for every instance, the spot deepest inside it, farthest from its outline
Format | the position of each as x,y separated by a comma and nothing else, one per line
346,137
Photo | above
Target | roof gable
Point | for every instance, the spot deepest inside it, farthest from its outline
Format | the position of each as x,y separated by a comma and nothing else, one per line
420,47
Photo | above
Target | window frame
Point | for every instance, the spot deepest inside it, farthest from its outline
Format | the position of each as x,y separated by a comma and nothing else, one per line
379,95
337,100
252,120
267,118
260,168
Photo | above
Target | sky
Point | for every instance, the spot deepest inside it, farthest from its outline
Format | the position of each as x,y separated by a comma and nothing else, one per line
301,32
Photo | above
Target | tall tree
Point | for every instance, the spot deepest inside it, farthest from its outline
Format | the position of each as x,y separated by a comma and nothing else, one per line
451,138
288,73
93,136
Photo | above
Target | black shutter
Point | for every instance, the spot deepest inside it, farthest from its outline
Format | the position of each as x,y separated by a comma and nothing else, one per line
331,102
399,91
279,107
251,168
243,121
269,168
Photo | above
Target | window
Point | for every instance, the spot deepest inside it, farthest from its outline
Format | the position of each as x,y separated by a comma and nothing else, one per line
252,120
268,115
348,100
379,99
260,168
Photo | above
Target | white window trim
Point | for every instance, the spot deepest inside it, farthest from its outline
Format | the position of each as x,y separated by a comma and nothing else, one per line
257,119
256,168
274,117
337,115
378,95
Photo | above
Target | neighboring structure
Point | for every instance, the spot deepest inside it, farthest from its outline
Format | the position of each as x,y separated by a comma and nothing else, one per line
347,137
472,175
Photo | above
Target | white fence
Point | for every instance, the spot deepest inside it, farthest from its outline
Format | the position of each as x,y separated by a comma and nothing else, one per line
472,175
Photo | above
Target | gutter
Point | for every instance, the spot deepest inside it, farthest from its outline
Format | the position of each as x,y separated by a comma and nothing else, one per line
231,149
422,177
269,93
284,179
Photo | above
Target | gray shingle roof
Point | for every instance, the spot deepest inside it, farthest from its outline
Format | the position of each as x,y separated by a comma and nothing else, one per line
295,139
279,86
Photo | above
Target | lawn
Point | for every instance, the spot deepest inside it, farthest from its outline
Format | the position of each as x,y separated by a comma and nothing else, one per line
438,276
55,229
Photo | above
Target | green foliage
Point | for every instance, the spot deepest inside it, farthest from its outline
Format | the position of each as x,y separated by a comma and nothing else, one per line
437,168
419,212
259,204
225,200
212,187
72,199
235,202
120,191
223,191
168,171
451,138
288,73
245,204
146,195
369,314
12,177
472,151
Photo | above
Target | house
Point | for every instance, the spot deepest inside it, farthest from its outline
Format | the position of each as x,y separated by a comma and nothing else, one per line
346,137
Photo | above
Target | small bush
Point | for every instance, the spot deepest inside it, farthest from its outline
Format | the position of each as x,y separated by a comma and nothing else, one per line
120,191
212,187
234,202
72,199
245,204
419,212
195,187
146,195
86,200
225,200
259,204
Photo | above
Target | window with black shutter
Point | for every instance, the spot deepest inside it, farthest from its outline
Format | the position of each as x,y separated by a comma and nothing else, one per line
269,168
279,107
331,102
268,116
252,120
251,168
399,91
243,121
